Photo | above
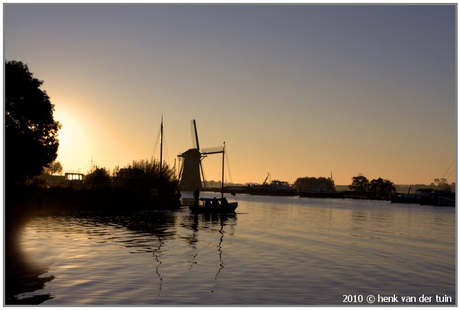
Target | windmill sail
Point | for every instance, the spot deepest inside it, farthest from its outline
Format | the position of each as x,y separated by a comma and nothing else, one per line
194,131
212,150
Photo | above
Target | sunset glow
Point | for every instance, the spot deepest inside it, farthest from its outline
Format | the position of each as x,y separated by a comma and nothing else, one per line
74,142
302,90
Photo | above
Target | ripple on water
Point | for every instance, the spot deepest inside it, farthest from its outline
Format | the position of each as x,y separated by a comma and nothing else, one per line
280,252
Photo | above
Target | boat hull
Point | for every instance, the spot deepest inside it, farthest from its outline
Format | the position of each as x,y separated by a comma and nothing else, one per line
230,208
445,201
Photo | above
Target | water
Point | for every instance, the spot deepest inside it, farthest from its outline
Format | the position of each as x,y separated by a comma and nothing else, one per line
274,251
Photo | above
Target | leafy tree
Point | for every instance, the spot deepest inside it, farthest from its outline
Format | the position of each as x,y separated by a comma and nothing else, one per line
441,184
31,133
145,175
359,184
115,171
99,177
307,183
384,188
52,168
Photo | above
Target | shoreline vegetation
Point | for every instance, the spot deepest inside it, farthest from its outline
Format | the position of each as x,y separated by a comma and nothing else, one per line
360,188
132,189
144,185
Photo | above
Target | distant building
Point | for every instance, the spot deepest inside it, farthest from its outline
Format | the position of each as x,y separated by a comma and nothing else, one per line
73,176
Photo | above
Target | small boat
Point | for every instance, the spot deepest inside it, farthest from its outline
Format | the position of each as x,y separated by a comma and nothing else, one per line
427,197
417,197
214,205
222,206
275,188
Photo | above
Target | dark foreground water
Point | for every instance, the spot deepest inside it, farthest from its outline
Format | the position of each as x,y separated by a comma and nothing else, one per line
274,251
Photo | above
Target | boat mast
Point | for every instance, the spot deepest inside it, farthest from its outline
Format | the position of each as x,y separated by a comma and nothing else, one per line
223,169
161,144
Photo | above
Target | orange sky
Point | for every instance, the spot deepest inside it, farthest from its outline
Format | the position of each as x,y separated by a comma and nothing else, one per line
293,90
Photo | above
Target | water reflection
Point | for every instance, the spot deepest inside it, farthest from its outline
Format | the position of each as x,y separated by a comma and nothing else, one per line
209,223
156,254
155,233
264,255
219,248
23,274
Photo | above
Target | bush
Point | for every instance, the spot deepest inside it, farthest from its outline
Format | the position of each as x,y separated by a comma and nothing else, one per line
146,175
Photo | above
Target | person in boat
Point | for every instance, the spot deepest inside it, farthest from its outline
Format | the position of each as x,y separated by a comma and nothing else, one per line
207,204
224,202
215,202
196,195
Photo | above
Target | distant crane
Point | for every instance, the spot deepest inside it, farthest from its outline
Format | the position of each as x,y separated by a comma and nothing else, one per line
265,181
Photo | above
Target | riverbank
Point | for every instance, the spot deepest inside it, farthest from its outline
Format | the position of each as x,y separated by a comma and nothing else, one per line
23,200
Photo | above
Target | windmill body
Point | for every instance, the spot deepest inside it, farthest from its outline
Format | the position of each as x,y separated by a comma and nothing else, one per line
191,173
191,169
190,177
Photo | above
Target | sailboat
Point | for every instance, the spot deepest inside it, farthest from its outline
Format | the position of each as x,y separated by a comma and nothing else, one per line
215,205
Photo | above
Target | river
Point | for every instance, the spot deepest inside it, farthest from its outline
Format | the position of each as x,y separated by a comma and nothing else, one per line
274,251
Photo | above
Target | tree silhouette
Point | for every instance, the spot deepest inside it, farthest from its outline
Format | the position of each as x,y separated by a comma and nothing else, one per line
144,175
99,177
441,184
384,188
31,133
359,184
307,183
52,168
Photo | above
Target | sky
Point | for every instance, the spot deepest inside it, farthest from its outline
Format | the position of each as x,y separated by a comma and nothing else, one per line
297,90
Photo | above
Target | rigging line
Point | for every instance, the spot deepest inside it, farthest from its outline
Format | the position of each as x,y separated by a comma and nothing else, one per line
180,167
450,174
154,150
228,167
202,172
448,169
165,149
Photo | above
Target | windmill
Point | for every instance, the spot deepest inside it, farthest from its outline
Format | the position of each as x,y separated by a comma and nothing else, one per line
191,171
